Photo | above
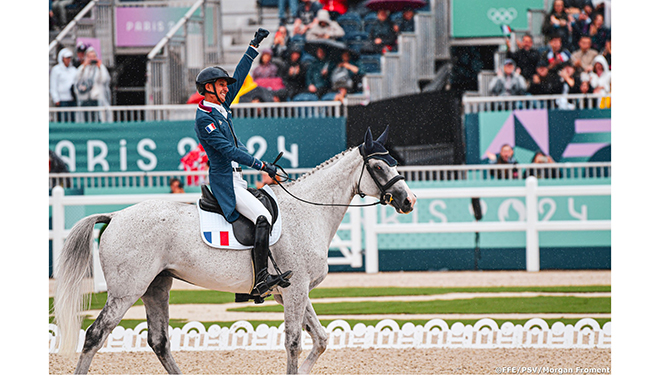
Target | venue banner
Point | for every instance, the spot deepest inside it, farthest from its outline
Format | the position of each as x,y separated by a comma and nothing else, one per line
567,136
159,146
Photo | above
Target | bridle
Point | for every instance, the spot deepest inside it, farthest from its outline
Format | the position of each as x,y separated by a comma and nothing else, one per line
385,197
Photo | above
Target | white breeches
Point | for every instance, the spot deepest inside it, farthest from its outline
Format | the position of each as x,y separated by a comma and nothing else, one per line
246,204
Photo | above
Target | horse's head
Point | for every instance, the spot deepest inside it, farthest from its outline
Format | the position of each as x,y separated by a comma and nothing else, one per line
385,183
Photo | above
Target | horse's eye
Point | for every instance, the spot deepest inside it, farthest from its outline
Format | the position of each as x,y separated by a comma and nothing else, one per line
379,168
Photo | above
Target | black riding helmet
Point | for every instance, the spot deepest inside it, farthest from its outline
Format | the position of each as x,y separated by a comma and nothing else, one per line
210,75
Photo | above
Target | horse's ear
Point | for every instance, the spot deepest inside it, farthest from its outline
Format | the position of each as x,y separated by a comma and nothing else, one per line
383,137
368,139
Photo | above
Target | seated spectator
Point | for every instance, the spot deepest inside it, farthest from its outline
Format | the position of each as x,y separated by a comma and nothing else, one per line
346,73
280,43
305,16
382,34
600,77
335,7
407,22
583,58
526,57
176,186
294,74
541,158
557,55
324,28
598,33
580,26
54,24
508,81
266,68
545,82
505,157
318,74
585,87
59,11
570,81
607,52
558,22
282,7
570,78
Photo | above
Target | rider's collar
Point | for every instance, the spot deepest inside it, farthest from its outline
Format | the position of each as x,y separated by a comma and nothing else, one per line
220,108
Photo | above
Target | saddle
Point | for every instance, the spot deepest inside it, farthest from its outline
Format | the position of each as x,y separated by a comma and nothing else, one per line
243,228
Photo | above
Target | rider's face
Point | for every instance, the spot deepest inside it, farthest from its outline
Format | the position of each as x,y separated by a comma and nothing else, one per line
221,89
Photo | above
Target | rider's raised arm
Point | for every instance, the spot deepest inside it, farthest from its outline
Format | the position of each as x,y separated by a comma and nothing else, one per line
241,72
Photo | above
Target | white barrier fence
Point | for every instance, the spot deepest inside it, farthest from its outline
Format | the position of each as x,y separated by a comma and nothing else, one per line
531,225
436,333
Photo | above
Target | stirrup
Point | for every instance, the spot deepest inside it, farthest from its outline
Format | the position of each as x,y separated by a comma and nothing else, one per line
269,282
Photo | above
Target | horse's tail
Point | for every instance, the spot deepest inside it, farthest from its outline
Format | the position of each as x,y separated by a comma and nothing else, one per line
72,267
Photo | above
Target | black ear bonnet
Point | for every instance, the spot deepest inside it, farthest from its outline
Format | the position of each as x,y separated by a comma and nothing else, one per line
371,149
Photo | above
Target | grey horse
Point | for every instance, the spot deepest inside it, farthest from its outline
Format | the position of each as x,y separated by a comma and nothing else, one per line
145,245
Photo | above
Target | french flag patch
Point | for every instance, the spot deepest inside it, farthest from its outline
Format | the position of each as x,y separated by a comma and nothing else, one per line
211,127
217,238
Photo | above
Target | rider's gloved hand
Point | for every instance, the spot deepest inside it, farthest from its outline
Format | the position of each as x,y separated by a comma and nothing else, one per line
270,169
260,35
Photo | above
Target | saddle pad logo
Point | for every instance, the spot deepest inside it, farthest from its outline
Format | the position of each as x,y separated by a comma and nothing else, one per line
211,127
216,237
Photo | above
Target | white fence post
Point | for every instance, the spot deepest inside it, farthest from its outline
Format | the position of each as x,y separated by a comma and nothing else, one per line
356,236
370,240
532,251
58,226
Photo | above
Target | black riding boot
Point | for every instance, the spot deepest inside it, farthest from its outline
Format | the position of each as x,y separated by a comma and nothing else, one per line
265,282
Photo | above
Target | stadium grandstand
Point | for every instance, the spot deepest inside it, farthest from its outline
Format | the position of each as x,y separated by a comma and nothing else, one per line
444,84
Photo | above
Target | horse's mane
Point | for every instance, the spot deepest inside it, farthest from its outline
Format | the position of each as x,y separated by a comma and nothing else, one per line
326,163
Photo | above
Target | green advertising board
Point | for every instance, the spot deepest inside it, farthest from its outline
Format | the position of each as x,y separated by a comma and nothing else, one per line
478,18
159,146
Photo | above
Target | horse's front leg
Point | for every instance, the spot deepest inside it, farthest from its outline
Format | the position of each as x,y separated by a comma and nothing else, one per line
295,300
319,337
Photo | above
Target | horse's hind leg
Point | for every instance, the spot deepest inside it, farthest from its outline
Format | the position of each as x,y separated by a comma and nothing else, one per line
156,304
319,337
98,332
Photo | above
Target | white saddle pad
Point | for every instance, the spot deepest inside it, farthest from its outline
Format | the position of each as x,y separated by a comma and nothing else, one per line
218,232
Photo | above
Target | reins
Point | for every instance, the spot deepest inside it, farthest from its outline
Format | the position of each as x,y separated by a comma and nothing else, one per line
382,188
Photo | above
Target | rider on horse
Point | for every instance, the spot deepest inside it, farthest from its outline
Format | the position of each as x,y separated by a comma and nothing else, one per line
215,130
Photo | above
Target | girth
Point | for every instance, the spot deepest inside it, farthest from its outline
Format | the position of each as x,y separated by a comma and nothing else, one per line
243,227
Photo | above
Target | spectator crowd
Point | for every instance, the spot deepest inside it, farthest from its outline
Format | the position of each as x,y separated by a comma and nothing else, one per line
322,49
576,57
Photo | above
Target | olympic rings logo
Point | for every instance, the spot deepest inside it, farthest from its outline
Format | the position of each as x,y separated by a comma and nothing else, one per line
501,15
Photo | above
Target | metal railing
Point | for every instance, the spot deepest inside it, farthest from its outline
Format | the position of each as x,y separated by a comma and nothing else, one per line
99,25
563,171
320,109
474,104
174,62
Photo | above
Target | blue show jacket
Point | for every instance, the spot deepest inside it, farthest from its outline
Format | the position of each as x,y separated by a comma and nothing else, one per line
217,136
